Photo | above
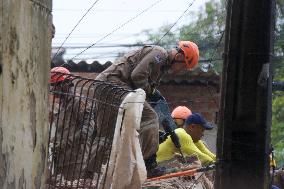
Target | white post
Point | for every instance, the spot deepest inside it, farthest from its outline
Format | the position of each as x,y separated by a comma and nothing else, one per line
127,168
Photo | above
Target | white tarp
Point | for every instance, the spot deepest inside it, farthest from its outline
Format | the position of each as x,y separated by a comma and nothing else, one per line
127,168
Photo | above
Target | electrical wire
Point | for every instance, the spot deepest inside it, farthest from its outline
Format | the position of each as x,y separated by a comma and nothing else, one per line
157,43
175,22
75,27
128,21
104,46
113,10
131,45
210,60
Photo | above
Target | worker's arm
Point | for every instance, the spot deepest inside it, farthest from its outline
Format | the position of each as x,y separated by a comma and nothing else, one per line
147,72
201,146
189,148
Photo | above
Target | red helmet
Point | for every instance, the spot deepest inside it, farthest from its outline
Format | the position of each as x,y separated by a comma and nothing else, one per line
59,74
181,112
191,53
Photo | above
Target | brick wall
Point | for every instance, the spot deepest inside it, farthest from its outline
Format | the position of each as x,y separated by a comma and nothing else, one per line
197,97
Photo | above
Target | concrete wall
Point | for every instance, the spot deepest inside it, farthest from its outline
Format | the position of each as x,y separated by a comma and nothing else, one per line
25,61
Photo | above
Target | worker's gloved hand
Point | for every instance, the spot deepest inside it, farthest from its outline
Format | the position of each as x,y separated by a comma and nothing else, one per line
155,96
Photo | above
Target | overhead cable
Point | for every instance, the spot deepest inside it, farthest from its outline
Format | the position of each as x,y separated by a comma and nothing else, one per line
114,10
175,22
75,27
211,59
133,19
128,21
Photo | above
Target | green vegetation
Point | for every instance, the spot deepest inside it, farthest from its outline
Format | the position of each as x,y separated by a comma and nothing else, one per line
277,130
207,31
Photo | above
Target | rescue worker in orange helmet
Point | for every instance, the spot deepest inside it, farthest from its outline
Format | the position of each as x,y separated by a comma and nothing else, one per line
59,74
143,68
60,80
179,115
68,111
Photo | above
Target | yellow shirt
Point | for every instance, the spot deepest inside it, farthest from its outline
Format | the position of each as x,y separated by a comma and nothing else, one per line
167,149
272,161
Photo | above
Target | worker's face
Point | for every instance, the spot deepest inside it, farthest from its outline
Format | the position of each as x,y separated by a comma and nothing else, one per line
196,132
179,122
179,58
178,63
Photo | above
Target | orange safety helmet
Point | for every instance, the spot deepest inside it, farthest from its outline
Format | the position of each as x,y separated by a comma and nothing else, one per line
181,112
59,74
191,53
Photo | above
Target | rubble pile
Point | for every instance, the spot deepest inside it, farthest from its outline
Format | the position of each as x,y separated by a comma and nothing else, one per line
202,180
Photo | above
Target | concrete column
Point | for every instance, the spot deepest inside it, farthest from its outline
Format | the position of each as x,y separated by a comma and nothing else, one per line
25,42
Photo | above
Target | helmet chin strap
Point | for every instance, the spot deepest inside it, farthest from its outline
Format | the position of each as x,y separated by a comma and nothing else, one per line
173,60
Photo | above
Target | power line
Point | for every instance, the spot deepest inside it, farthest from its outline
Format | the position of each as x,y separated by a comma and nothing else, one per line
175,22
118,28
141,44
212,57
113,10
75,27
90,35
104,46
218,44
87,34
83,45
124,34
136,17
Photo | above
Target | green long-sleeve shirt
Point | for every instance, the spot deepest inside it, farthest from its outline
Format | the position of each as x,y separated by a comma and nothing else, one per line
167,149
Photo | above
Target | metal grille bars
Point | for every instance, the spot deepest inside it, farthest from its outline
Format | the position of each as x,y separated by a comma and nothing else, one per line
82,117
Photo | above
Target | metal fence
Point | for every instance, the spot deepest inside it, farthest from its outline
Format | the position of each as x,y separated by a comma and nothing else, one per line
82,117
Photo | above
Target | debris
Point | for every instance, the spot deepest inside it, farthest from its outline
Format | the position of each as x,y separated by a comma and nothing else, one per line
199,181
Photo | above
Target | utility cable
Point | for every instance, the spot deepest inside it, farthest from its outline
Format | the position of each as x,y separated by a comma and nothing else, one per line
175,22
128,21
218,44
106,46
75,27
210,60
116,10
133,19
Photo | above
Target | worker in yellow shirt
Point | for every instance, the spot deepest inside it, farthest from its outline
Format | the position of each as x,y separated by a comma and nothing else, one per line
190,140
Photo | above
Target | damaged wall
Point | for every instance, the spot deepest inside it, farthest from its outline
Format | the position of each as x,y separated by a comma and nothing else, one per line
25,60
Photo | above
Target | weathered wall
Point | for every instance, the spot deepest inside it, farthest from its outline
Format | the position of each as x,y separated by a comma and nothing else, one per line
198,97
25,55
